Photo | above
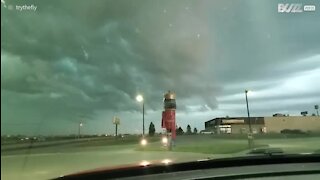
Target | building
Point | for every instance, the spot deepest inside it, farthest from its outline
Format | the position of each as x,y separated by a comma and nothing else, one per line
275,124
303,123
235,125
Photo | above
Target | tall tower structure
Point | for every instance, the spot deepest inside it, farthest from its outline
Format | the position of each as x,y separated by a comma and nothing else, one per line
169,117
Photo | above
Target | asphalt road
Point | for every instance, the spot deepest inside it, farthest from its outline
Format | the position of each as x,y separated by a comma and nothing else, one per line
52,162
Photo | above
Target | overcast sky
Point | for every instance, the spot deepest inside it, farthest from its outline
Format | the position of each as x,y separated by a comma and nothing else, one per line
76,60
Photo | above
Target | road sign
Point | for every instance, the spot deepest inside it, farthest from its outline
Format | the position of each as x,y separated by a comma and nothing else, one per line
116,120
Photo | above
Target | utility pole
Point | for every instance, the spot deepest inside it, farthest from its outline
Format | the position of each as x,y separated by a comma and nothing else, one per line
250,135
139,98
143,117
248,112
79,130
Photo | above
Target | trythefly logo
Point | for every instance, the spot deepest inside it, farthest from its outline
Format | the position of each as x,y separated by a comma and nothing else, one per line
290,8
295,8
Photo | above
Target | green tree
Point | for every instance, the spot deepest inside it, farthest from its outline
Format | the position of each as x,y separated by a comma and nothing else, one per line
189,129
179,131
195,130
152,129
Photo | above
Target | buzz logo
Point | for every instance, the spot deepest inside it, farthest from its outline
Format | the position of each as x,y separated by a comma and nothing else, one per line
290,8
309,8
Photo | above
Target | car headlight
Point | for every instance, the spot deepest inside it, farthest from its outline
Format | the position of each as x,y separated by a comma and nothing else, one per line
164,140
143,142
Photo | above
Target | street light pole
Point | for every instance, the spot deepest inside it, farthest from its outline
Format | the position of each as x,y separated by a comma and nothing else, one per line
80,125
250,136
249,120
139,98
143,117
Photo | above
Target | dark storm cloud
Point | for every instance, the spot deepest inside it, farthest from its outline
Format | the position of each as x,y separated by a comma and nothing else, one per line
251,39
79,57
125,58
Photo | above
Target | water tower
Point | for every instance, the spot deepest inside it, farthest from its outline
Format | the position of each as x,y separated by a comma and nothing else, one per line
169,117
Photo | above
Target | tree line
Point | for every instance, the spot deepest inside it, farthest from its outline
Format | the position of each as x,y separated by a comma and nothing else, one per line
179,130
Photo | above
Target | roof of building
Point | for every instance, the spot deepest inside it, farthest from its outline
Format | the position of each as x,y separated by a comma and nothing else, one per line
224,120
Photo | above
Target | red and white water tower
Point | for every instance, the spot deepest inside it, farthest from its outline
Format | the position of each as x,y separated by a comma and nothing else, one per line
169,117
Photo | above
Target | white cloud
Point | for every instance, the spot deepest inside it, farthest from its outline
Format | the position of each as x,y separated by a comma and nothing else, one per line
297,90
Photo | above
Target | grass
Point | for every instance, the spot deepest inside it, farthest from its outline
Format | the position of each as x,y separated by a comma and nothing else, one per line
106,144
130,140
220,148
293,145
209,144
203,144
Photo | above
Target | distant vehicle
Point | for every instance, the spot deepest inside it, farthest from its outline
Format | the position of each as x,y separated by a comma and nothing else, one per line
292,131
206,132
278,115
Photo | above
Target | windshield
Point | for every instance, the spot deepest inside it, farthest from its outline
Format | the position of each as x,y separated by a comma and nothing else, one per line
108,83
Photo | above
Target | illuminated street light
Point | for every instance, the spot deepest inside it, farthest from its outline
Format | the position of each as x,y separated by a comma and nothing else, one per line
139,98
